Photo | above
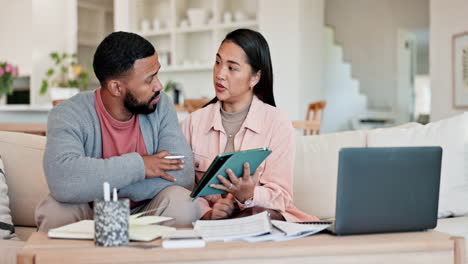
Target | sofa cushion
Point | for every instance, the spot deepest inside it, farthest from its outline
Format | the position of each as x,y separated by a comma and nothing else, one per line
24,232
316,169
6,228
22,156
452,135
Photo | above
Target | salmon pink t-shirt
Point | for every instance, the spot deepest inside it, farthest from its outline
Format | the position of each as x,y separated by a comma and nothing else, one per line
118,137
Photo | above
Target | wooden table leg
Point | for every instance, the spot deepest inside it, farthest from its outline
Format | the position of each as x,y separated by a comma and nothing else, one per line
459,254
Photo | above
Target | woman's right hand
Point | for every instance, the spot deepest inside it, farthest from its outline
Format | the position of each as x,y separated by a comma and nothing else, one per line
222,208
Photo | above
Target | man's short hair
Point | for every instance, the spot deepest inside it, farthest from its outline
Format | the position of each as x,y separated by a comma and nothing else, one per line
117,53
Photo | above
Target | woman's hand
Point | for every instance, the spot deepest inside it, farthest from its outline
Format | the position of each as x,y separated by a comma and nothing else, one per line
222,209
242,188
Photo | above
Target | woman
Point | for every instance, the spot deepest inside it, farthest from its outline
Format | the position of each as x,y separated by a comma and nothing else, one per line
243,116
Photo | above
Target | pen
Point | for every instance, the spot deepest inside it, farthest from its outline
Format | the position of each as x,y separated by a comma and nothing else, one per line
106,192
114,195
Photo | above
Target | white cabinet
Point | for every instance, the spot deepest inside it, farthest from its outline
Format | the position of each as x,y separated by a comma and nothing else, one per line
187,33
95,22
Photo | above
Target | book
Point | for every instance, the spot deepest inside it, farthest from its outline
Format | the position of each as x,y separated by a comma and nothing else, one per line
141,228
234,161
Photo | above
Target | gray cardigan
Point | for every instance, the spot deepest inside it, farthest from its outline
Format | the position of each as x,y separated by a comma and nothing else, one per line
73,163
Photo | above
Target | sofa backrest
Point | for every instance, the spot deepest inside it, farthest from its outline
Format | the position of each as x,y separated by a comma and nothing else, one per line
22,156
316,170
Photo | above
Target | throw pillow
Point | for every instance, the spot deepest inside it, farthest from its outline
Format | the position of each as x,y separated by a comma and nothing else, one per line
452,135
7,230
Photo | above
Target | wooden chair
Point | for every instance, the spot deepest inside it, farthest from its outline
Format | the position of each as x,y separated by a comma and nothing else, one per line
312,126
192,105
56,102
314,113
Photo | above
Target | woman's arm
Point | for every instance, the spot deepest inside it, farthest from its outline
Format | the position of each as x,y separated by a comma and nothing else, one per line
274,190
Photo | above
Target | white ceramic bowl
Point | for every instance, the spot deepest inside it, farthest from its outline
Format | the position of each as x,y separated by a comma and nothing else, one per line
197,16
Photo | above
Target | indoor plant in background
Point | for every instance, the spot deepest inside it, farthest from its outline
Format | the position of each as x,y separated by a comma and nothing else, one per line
65,78
8,73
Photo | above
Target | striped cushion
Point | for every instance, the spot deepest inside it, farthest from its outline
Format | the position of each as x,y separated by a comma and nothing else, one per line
7,231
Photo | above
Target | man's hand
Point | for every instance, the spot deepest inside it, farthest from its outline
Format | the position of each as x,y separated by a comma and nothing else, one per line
156,165
222,209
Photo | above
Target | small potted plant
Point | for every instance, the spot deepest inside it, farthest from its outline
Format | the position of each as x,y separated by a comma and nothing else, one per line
65,78
8,73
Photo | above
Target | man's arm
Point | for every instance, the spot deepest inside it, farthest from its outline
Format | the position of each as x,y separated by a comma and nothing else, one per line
169,137
72,175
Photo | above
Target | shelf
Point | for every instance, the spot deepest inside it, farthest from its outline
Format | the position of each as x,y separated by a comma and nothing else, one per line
25,108
88,43
195,29
152,33
242,24
94,7
181,68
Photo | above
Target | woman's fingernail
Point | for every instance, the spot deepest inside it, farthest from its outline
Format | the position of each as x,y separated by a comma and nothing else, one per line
181,166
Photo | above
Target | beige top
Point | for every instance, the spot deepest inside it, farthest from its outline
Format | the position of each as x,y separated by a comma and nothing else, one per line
232,123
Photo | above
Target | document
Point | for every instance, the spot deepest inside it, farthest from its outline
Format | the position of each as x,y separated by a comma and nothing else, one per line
296,230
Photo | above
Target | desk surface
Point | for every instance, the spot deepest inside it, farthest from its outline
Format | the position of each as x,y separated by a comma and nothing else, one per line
426,247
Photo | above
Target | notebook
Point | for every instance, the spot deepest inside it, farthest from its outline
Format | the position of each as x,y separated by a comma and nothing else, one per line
233,161
142,228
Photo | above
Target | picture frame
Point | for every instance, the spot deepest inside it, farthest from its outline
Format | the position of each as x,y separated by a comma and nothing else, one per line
460,69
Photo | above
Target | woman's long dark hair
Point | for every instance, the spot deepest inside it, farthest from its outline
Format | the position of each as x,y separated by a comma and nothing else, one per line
258,57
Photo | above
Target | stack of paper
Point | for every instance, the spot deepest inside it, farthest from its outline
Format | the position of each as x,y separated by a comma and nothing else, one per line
254,228
233,229
141,228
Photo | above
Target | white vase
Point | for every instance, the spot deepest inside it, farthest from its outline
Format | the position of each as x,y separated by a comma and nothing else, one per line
59,93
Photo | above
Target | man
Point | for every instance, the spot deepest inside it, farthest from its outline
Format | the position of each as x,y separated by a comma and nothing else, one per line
119,133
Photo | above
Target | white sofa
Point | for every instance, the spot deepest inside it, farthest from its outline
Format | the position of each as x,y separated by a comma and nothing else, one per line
315,175
316,167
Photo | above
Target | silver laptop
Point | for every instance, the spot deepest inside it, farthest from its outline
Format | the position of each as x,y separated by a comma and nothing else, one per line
387,190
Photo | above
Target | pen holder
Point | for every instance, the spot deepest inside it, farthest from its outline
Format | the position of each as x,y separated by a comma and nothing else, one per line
111,222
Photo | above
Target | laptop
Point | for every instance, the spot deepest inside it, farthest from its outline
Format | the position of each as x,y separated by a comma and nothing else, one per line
383,190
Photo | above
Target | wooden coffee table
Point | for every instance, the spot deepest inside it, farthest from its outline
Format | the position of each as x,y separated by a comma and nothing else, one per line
419,247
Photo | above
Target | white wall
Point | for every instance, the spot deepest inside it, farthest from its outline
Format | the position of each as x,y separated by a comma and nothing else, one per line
54,29
311,54
15,31
294,34
448,17
367,29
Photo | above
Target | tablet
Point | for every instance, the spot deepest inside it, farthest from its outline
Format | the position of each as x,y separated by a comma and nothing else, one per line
233,161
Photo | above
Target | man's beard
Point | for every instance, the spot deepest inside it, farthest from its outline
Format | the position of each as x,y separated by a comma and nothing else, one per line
135,107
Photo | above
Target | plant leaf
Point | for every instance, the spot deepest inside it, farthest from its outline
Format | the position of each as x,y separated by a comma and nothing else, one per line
50,72
44,87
